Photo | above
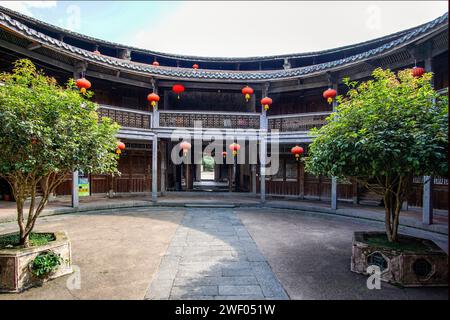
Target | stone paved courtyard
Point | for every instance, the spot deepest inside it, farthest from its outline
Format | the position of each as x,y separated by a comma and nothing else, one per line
215,253
212,256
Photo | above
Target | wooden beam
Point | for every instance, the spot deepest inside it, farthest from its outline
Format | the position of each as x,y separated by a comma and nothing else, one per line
33,46
299,87
37,56
207,85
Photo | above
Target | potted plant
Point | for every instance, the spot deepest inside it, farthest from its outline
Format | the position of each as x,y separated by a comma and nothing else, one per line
384,132
46,132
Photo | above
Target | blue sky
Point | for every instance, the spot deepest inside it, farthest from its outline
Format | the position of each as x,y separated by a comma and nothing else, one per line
233,28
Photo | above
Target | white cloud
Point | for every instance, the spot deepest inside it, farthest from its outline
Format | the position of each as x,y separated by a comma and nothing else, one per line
26,7
263,28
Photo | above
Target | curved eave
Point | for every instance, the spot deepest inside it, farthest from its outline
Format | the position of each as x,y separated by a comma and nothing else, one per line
189,74
180,57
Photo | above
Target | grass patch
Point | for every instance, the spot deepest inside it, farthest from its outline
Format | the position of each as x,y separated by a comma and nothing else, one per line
403,244
36,240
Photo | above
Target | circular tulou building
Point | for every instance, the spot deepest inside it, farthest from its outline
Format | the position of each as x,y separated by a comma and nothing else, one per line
202,98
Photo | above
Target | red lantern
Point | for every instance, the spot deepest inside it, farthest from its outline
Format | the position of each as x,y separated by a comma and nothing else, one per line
266,102
329,94
297,152
83,84
234,147
186,146
153,98
418,72
155,63
247,91
195,66
178,88
120,147
224,154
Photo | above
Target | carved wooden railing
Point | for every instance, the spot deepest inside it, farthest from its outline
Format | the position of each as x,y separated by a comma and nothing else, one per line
126,117
209,119
297,122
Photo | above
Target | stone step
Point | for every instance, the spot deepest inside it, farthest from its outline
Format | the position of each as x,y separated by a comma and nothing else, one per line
209,205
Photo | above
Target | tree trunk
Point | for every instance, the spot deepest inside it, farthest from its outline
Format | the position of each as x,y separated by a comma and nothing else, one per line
393,199
24,239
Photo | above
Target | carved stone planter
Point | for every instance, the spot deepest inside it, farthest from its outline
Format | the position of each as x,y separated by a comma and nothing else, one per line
15,274
418,262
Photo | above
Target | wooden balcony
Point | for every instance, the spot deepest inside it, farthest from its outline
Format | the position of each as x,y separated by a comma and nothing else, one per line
135,119
297,122
210,119
127,118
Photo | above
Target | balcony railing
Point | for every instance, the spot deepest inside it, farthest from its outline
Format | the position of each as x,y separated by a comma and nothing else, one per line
297,122
127,118
209,119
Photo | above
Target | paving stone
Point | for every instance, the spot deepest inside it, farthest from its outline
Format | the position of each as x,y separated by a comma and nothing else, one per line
252,297
193,273
189,297
212,256
227,272
211,281
244,290
159,290
182,291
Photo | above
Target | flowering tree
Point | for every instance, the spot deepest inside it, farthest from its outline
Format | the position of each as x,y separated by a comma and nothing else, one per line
384,132
46,132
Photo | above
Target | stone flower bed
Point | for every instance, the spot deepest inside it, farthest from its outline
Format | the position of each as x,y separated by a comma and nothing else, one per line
22,268
410,262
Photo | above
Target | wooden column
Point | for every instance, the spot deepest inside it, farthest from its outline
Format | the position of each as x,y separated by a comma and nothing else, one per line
427,201
427,206
155,169
75,198
230,178
79,68
186,176
355,198
163,167
155,117
262,175
301,179
198,172
253,172
283,187
333,179
333,193
263,147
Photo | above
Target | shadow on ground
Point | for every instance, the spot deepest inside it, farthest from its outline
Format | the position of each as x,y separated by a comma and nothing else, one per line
199,253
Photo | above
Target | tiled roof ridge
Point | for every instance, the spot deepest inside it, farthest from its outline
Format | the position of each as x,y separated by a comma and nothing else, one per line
188,73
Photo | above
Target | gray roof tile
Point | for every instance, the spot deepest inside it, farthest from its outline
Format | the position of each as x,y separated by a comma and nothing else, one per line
188,73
